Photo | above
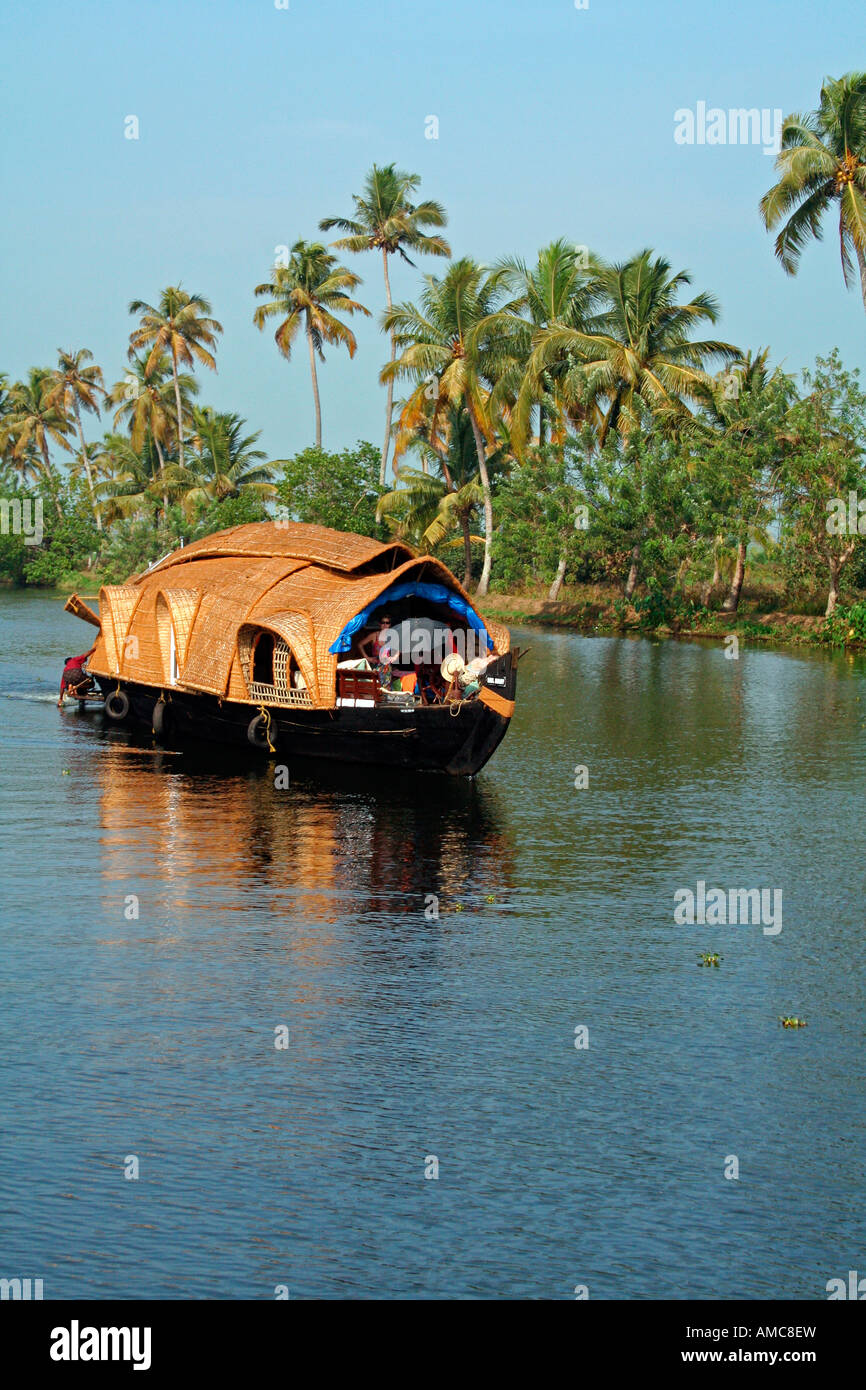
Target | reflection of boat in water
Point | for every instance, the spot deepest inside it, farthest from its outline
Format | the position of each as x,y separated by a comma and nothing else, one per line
218,840
259,635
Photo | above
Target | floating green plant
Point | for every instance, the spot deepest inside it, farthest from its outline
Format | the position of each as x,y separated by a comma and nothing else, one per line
791,1021
710,958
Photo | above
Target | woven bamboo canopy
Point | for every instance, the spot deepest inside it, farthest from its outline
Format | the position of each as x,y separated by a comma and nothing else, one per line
189,621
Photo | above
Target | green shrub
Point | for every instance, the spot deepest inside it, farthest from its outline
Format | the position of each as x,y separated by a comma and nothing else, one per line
847,626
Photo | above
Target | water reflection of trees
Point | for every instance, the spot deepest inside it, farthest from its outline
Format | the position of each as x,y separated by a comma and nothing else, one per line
337,840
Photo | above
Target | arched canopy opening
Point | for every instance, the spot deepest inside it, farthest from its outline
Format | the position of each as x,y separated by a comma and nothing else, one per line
175,614
270,667
413,608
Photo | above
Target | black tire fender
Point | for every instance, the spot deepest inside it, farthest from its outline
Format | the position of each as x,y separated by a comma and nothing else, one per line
160,719
257,731
117,705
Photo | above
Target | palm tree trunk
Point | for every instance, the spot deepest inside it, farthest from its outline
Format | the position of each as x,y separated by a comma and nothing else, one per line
86,461
389,402
443,463
178,407
732,602
861,261
316,400
161,458
467,549
484,581
46,459
608,421
553,592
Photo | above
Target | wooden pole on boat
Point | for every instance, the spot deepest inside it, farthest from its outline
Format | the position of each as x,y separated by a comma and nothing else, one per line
76,605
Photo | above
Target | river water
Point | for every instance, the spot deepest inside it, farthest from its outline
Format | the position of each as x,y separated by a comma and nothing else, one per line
245,995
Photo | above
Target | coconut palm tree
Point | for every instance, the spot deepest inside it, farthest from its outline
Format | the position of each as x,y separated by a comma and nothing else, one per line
131,479
223,460
560,290
7,438
311,291
445,348
27,462
33,419
642,359
426,509
181,326
78,387
147,404
387,220
822,169
641,362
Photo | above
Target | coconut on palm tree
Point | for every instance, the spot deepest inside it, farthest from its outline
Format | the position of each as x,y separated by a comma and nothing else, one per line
387,220
78,387
180,326
445,349
310,292
822,172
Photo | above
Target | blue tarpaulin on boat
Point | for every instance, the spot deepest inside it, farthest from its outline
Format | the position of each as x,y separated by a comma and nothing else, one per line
434,593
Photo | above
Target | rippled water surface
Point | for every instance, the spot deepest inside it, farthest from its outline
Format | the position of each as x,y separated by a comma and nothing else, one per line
411,1037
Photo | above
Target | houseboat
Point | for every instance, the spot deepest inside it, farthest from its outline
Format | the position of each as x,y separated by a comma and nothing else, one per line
306,642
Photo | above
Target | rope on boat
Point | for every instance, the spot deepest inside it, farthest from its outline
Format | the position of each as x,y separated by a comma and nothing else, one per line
266,715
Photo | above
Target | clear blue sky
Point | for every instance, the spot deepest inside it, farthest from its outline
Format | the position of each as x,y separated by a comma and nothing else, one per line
256,121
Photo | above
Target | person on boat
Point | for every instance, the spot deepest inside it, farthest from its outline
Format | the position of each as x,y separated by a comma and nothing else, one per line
430,687
373,643
75,678
379,651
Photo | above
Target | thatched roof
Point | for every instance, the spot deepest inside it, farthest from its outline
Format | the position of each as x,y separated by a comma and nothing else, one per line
336,550
303,583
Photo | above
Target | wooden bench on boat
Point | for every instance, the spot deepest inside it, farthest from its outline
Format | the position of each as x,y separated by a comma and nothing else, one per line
358,688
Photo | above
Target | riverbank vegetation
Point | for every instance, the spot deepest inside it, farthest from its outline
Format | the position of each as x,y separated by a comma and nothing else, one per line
571,437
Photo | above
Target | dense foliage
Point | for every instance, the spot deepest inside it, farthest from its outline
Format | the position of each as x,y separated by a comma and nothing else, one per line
565,421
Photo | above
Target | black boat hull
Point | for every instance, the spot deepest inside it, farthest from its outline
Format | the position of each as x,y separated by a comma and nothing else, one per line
456,739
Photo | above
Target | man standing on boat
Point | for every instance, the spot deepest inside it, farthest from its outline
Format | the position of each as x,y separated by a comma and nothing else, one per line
75,678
